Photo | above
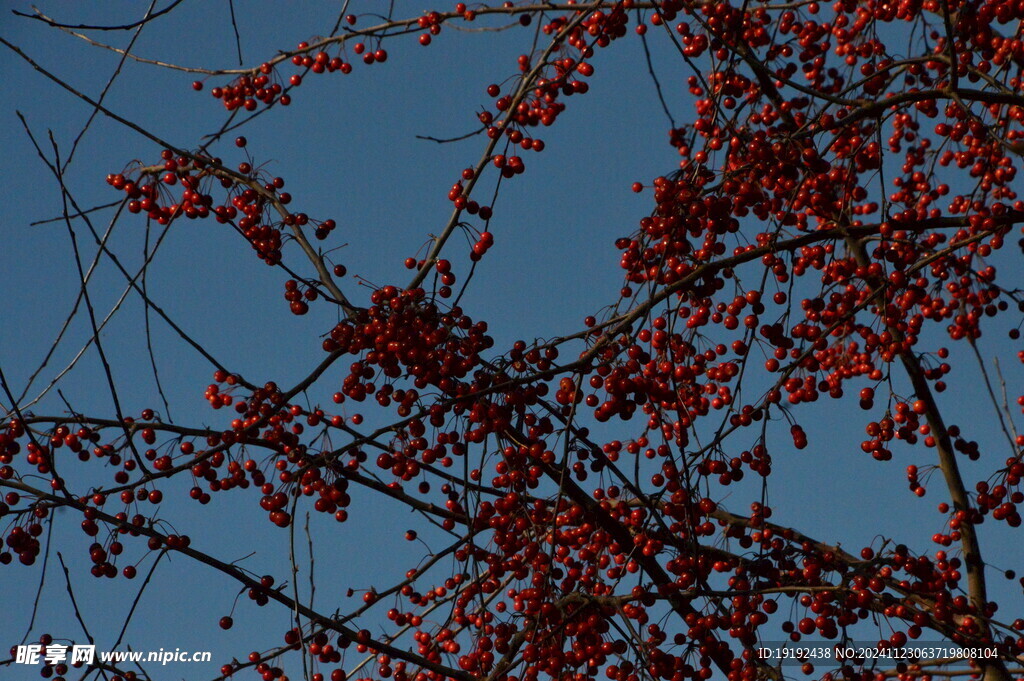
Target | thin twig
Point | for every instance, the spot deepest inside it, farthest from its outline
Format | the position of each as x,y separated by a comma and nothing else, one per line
234,26
654,79
992,396
106,88
42,581
74,602
138,598
149,334
60,218
39,16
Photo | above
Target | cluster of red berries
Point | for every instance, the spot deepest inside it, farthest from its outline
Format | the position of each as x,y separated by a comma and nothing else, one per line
251,204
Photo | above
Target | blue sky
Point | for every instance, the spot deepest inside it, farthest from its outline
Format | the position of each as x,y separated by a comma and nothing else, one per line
347,149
